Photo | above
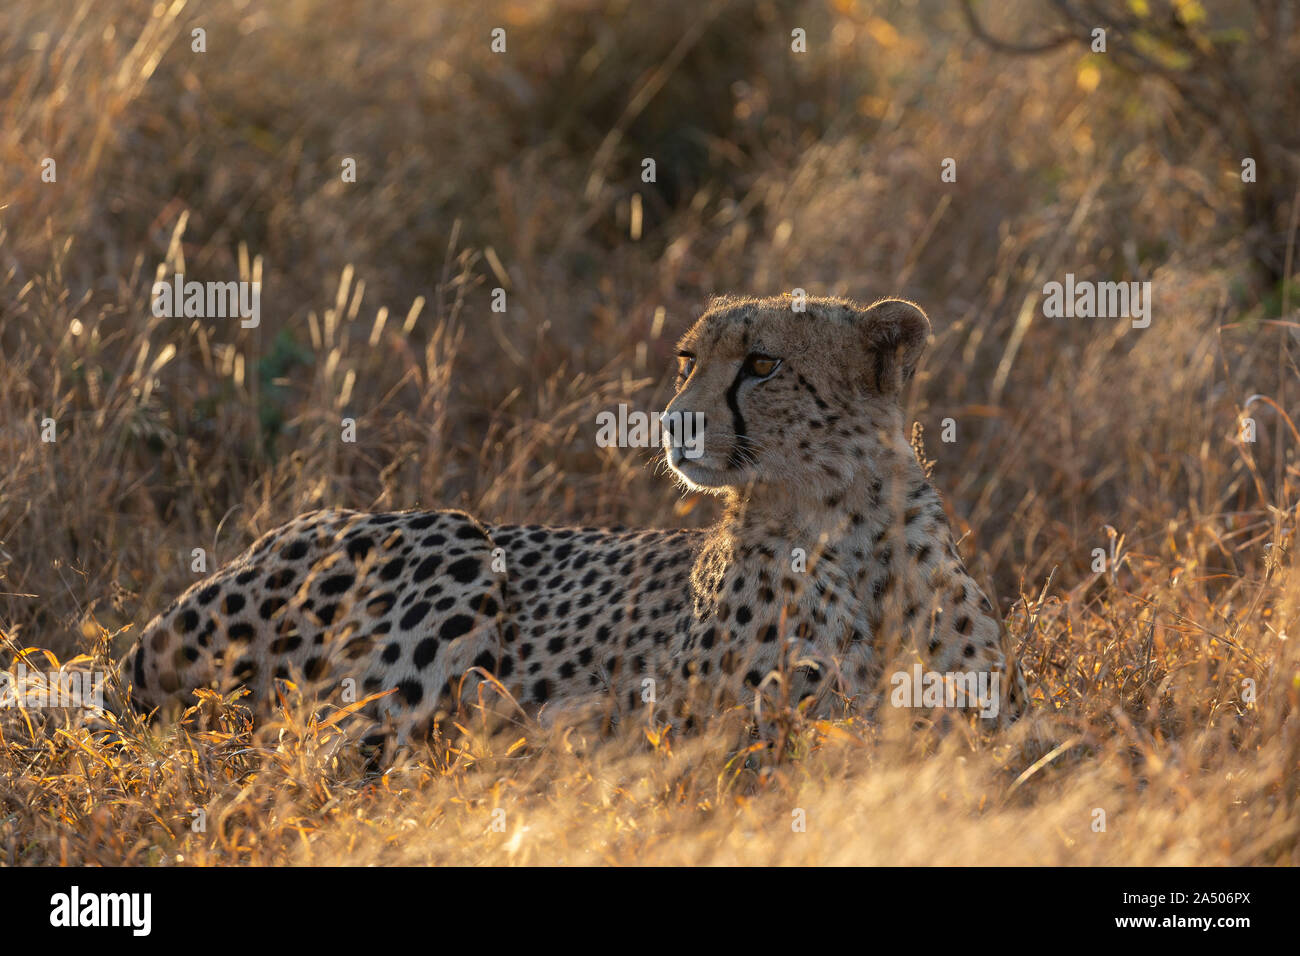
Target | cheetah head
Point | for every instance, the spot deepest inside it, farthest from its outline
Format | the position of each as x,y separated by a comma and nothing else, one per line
786,397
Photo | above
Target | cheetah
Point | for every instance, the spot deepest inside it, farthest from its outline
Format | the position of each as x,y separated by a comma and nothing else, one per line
832,548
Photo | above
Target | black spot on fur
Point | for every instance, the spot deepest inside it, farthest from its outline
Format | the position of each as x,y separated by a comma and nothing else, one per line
455,626
416,614
464,570
294,549
337,584
280,579
426,568
412,691
425,652
139,667
359,548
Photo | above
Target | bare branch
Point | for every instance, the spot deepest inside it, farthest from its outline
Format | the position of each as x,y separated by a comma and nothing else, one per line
1003,46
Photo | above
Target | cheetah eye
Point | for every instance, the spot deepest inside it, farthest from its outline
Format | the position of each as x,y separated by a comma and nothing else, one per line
685,365
761,366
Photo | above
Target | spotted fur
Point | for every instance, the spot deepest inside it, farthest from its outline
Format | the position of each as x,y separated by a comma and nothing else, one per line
833,556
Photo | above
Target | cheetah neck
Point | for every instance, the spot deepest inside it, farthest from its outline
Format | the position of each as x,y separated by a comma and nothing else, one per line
845,518
880,538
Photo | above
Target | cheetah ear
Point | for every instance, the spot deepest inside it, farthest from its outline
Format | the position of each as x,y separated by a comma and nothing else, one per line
896,332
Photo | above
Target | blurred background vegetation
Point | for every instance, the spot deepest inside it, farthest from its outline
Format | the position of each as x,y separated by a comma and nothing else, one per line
523,170
775,169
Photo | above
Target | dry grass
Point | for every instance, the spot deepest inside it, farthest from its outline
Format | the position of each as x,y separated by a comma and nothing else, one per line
775,171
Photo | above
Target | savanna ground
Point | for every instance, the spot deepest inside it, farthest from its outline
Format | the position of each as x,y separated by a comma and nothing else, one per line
1166,684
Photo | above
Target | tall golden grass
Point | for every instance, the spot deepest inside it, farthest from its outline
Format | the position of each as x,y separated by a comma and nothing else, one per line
1166,685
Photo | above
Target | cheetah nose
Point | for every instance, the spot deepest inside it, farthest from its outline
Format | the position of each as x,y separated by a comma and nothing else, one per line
684,433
